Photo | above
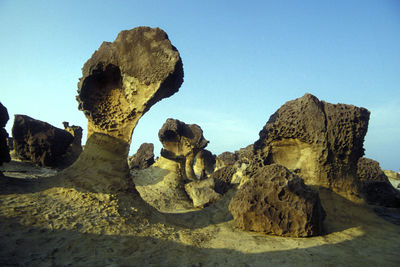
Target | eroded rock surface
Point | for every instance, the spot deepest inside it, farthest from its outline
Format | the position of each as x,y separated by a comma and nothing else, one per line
276,201
322,142
204,163
375,185
143,158
202,192
226,159
39,142
4,151
223,179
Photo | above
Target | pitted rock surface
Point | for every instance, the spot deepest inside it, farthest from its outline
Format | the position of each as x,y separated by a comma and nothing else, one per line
143,158
223,178
181,142
322,142
202,192
276,201
39,142
375,185
226,159
4,150
123,79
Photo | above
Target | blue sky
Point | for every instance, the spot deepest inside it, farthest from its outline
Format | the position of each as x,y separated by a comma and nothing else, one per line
242,61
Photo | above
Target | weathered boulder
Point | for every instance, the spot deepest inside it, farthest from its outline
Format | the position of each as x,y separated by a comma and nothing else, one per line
202,192
276,201
143,158
181,142
4,151
392,174
223,178
322,142
204,163
375,185
226,159
121,82
39,142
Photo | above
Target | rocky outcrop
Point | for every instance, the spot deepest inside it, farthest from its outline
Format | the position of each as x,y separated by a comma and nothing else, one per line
375,186
392,174
223,179
39,142
226,159
181,143
121,82
204,163
4,151
322,142
202,192
143,158
75,131
276,201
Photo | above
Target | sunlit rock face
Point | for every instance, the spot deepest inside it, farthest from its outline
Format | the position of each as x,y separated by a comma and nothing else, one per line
276,201
4,151
120,82
322,142
181,142
204,163
123,79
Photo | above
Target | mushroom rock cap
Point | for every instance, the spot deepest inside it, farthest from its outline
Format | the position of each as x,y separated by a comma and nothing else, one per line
123,79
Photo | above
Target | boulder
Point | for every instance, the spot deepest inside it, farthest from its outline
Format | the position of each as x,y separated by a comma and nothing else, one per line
204,163
202,192
322,142
39,142
226,159
276,201
121,82
181,142
375,185
143,158
223,179
4,150
392,174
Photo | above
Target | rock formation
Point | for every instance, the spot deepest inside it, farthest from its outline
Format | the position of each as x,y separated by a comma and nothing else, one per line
226,159
4,151
75,131
39,142
181,143
276,201
202,192
121,82
223,178
375,185
392,174
204,163
143,158
322,142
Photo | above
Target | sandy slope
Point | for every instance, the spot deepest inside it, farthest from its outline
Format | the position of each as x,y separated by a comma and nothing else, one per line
46,222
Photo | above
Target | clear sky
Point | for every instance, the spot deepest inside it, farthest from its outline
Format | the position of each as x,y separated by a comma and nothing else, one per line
242,61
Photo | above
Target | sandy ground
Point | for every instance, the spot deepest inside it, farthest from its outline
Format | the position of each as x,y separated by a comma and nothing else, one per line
44,221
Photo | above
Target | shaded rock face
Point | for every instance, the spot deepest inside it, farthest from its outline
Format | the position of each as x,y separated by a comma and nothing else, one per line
276,201
75,131
121,82
39,142
322,142
223,178
375,186
123,79
143,158
4,151
181,142
202,192
204,163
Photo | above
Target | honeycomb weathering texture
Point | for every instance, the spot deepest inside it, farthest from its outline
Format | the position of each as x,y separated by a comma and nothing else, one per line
123,79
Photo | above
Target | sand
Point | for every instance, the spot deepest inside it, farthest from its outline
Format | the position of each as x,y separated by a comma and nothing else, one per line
44,221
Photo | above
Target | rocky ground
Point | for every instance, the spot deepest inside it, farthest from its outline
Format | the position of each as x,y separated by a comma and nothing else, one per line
45,221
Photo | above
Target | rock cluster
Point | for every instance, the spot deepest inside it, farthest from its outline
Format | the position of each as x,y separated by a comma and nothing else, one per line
4,151
143,158
375,186
322,142
276,201
39,142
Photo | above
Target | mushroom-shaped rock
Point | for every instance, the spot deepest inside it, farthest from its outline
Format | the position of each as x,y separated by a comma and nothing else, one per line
276,201
40,142
143,158
375,185
4,151
182,142
320,141
120,82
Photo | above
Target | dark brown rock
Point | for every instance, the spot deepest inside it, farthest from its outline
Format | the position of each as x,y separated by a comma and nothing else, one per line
143,158
39,141
322,142
4,150
223,178
276,201
375,186
204,163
